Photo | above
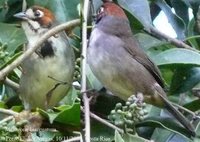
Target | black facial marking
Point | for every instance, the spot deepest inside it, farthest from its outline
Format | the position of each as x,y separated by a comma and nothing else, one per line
100,14
47,49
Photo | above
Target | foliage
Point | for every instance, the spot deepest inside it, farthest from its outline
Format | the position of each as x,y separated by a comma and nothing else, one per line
180,69
12,40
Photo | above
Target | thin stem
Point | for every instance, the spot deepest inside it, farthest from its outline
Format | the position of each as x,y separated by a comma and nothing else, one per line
103,121
9,112
11,83
74,139
184,109
173,41
83,69
9,118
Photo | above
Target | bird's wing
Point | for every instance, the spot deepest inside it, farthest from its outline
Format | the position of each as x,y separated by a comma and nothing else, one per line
132,47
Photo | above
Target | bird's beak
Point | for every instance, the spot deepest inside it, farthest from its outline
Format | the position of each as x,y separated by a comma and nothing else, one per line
21,15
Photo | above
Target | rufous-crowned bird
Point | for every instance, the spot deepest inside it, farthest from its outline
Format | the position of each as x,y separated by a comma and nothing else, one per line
48,73
119,63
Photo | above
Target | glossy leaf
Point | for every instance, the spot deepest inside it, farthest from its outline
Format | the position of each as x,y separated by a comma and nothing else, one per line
63,115
184,79
93,82
177,23
132,138
162,135
177,56
193,106
147,41
181,9
190,33
63,9
11,36
101,132
43,136
139,9
118,137
166,123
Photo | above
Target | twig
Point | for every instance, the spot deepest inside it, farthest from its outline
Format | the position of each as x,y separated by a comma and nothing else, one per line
174,41
83,69
74,139
11,83
184,109
29,51
103,121
9,112
6,119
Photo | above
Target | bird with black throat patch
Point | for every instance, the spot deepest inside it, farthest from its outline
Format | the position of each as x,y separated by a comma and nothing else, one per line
48,73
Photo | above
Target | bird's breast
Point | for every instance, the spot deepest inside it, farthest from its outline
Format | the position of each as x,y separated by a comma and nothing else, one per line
115,68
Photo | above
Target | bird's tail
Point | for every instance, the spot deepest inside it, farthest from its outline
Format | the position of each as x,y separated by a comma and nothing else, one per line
178,115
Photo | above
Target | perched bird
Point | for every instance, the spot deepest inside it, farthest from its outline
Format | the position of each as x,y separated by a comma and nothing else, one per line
48,73
119,63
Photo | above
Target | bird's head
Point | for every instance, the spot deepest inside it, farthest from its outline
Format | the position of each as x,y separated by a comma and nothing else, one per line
110,9
36,19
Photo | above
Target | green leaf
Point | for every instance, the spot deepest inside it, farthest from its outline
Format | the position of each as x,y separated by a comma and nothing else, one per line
193,106
118,137
2,104
133,138
11,36
70,98
181,9
162,135
147,41
3,10
139,9
43,136
64,10
166,123
190,34
101,132
195,6
177,56
184,79
128,138
66,115
92,80
176,22
17,108
197,139
15,56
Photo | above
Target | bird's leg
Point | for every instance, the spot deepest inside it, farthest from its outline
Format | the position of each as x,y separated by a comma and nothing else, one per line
90,94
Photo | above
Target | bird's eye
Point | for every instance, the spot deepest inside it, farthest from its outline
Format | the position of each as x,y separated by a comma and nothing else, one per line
100,14
38,13
101,9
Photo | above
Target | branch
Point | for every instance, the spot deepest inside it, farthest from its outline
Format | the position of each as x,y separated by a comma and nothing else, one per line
12,84
103,121
173,41
74,139
9,112
83,69
6,119
29,51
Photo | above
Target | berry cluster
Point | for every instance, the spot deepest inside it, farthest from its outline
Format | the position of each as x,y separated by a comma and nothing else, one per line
130,114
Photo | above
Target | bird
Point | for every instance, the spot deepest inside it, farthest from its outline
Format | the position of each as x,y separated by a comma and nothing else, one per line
47,74
121,65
